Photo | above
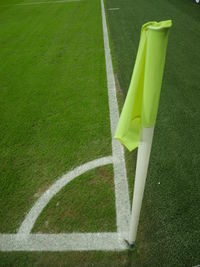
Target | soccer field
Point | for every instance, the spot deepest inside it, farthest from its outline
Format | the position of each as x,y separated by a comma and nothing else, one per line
55,127
59,166
54,106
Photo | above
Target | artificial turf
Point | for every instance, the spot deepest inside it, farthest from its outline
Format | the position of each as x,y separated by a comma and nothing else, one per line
169,229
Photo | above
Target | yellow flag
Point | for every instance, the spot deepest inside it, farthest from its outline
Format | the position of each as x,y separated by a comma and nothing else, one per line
141,104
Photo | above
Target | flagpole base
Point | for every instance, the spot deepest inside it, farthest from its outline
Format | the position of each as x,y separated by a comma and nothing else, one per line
130,245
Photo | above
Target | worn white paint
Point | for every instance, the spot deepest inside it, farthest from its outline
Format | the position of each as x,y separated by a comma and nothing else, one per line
62,242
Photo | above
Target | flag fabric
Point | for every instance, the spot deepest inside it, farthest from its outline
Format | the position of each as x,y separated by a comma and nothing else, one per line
141,104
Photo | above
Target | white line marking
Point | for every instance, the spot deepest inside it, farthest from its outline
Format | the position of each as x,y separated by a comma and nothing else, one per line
48,2
114,8
121,185
40,204
62,242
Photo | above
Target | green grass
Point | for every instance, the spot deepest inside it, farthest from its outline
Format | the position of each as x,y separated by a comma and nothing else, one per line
87,204
169,226
54,116
53,99
70,259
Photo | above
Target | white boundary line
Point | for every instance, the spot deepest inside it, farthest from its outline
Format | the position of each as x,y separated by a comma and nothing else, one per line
40,3
48,2
62,242
121,184
25,241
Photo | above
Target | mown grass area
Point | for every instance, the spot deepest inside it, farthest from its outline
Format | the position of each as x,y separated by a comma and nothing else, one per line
53,99
87,204
69,259
53,117
169,227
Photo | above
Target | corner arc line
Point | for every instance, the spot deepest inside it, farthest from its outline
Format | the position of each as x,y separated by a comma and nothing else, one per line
40,204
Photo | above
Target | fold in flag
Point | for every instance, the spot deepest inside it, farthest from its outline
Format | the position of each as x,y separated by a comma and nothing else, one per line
141,104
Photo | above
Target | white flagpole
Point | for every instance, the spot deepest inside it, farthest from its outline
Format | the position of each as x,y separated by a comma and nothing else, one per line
143,156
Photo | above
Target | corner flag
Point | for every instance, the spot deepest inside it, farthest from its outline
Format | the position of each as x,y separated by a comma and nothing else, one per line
138,117
141,105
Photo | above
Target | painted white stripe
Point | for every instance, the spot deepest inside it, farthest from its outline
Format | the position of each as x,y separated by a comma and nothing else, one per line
62,242
121,185
48,2
113,8
41,203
